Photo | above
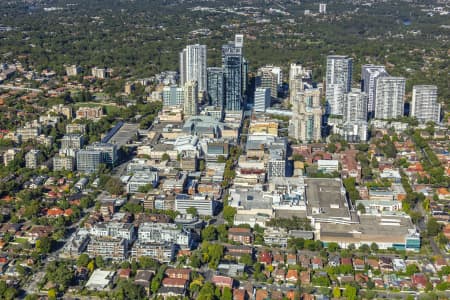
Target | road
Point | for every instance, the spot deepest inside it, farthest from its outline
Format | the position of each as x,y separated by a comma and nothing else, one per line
18,88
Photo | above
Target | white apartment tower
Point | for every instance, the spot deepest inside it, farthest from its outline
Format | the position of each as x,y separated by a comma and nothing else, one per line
390,92
369,74
262,99
424,105
338,82
323,8
193,65
355,106
190,98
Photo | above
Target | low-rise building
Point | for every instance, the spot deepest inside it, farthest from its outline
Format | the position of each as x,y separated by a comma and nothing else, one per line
115,249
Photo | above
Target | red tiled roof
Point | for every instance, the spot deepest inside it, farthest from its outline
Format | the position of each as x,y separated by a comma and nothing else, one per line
174,282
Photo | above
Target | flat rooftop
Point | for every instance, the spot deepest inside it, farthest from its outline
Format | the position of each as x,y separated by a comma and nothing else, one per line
375,228
326,199
125,134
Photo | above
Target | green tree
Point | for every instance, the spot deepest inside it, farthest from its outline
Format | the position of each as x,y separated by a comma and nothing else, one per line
227,294
99,262
336,292
165,157
350,292
374,247
411,269
83,260
114,186
192,211
433,227
51,294
228,214
209,233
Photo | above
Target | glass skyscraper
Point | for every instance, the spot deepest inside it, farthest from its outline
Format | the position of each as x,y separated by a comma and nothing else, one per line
216,86
232,66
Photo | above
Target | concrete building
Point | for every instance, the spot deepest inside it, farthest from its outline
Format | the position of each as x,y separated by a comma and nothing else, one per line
216,86
114,230
369,74
9,156
355,106
193,65
322,8
142,179
338,82
328,166
32,159
262,99
204,205
75,128
100,73
88,161
173,95
276,165
298,77
164,233
73,70
62,162
232,61
424,105
190,104
115,249
270,77
90,113
163,252
72,141
389,97
306,122
108,152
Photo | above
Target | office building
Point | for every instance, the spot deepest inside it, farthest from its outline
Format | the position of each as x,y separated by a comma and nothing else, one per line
424,105
108,152
262,99
276,165
322,8
270,77
193,65
216,86
204,206
62,162
190,105
32,159
369,74
355,106
142,179
244,75
306,121
390,92
173,95
338,82
232,66
73,70
88,161
72,141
